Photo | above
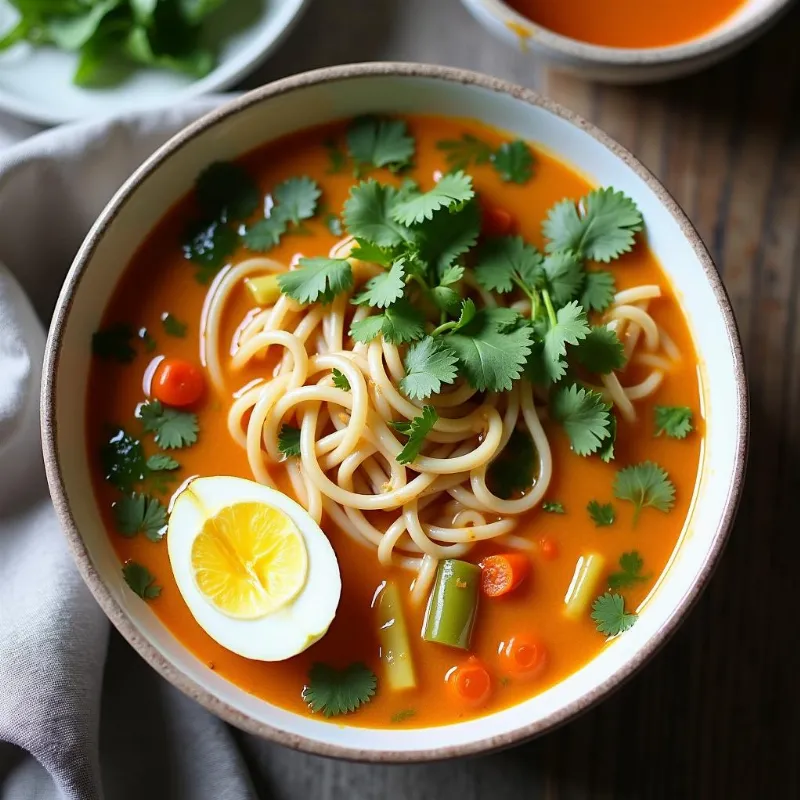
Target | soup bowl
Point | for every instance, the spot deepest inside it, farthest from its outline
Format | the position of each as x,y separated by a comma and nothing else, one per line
343,92
628,65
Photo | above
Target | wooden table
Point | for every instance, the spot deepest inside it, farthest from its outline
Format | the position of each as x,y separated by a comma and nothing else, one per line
716,714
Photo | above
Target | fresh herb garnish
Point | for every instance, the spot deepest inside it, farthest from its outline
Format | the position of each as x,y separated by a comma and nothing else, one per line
416,430
334,223
173,429
399,324
513,161
208,245
141,580
601,351
598,290
289,441
402,716
264,234
173,326
645,485
512,471
336,157
585,416
379,142
602,514
429,363
122,459
451,190
608,612
340,380
317,280
225,191
339,691
385,288
630,571
675,421
140,513
553,507
114,343
161,462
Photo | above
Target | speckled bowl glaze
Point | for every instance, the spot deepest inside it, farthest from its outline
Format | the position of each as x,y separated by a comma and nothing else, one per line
309,99
628,65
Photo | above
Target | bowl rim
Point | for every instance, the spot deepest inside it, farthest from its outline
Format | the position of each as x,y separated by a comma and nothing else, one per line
114,610
711,41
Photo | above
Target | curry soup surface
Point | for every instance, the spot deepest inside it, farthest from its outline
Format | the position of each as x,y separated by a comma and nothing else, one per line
159,280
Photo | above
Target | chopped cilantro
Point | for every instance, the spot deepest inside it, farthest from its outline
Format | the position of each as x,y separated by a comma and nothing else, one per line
378,142
264,234
645,485
598,290
385,288
601,351
172,325
460,153
608,612
451,190
226,191
173,428
416,430
584,415
512,471
675,421
340,380
429,363
513,161
289,441
122,459
602,514
140,580
553,508
161,462
114,343
140,513
317,280
296,199
399,324
630,572
208,245
334,691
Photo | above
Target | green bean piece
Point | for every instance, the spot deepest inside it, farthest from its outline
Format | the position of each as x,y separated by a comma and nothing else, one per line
453,604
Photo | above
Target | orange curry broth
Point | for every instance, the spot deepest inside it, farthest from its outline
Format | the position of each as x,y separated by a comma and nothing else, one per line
628,23
159,280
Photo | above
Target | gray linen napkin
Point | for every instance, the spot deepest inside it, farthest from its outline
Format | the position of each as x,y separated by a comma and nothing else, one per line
57,658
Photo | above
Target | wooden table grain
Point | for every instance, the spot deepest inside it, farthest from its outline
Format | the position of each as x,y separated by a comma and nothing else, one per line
716,713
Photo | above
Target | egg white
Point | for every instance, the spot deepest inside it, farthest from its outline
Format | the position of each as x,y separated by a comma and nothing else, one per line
283,633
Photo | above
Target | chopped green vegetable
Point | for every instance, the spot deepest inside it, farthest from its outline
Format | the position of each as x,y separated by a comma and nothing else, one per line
675,421
608,611
340,380
429,363
339,691
122,459
453,604
173,429
416,430
602,514
173,326
378,142
513,469
585,582
630,571
393,636
585,416
140,513
114,343
513,161
140,580
317,280
645,485
289,441
553,508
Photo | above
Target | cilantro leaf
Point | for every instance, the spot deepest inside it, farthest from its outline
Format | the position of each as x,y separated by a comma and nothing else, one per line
264,234
467,314
140,580
368,215
460,153
333,223
400,323
570,328
445,237
645,485
379,142
140,513
601,351
512,471
416,430
608,612
297,198
553,508
317,280
208,245
598,290
369,251
337,159
606,451
504,260
675,421
173,326
630,573
601,228
602,514
492,360
584,415
564,271
161,462
122,459
334,692
289,441
340,380
114,343
451,190
226,191
513,161
429,363
385,288
173,428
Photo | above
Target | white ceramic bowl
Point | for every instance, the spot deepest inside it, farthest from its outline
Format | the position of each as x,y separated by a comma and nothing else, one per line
310,99
628,65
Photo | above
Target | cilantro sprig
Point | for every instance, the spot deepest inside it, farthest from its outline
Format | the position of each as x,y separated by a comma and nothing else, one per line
675,421
140,513
646,485
417,430
333,692
602,514
608,613
630,572
173,429
140,580
513,161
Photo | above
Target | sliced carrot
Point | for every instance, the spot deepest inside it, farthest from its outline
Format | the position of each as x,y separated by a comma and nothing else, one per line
502,574
524,654
177,382
496,221
470,682
548,548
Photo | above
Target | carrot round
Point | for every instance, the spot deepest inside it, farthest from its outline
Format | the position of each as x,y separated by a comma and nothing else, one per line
177,382
524,654
503,573
496,221
470,682
548,548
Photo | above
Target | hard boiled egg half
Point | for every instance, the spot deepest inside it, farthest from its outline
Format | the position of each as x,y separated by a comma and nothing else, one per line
258,574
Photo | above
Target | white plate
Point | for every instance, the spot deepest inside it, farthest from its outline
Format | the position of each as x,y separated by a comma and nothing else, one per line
36,83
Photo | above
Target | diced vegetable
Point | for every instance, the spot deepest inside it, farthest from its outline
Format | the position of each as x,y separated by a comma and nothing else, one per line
264,289
584,586
453,604
177,383
524,654
502,574
471,682
395,646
